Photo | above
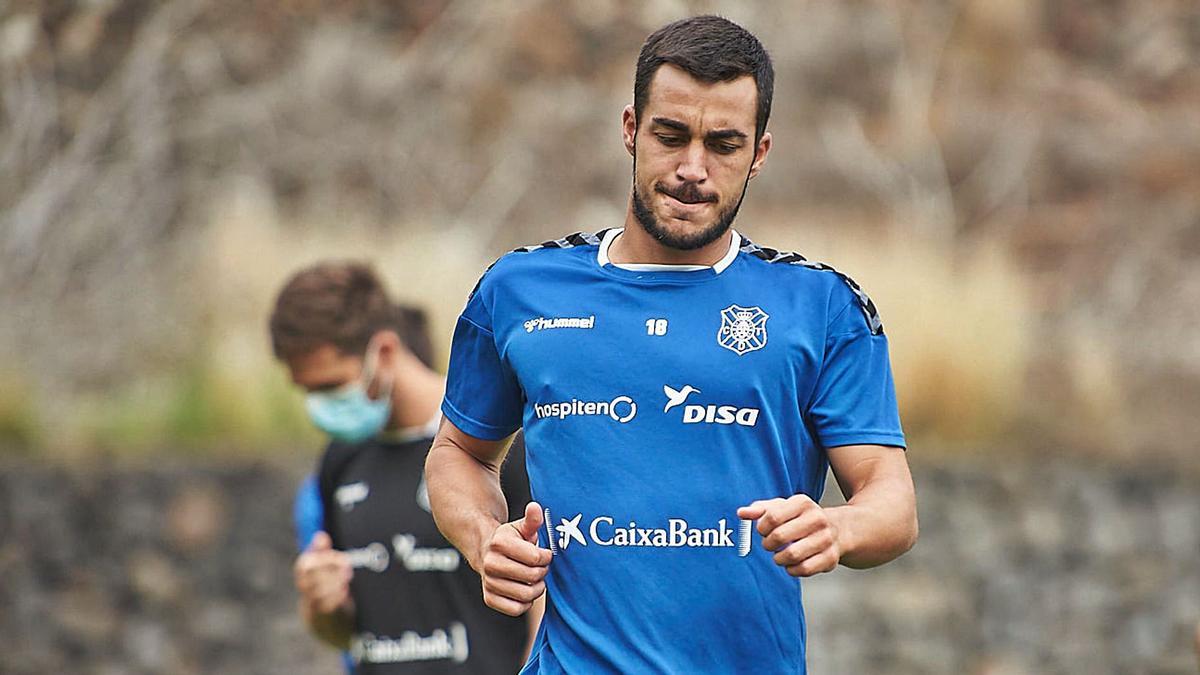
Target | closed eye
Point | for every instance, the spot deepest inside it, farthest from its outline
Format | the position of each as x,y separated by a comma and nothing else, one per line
724,148
330,387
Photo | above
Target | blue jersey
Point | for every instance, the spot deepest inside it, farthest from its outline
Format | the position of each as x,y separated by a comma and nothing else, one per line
655,402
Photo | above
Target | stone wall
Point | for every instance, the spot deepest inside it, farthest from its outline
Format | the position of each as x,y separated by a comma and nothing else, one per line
1024,567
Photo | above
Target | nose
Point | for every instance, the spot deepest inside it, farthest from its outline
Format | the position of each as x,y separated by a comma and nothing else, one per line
692,167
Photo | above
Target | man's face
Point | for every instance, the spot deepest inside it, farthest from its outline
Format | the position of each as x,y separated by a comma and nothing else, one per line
324,369
694,152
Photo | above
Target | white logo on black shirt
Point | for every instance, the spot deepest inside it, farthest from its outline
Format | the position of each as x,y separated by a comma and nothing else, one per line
373,556
350,494
423,496
448,644
424,559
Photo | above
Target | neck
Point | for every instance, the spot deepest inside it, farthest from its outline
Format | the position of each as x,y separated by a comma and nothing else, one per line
635,246
416,395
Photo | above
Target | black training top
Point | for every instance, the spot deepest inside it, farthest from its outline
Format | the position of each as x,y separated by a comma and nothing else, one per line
419,605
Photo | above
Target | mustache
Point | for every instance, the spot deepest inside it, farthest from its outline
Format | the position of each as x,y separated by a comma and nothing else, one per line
686,192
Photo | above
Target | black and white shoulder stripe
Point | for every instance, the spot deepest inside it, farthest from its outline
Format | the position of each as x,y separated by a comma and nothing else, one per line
771,255
569,241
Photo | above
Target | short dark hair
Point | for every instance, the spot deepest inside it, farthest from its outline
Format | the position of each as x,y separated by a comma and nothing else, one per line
342,303
710,49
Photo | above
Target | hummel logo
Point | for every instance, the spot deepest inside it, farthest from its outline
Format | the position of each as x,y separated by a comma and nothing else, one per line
542,323
675,398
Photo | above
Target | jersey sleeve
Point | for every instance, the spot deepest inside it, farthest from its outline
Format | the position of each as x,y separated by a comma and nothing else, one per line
483,397
854,402
307,513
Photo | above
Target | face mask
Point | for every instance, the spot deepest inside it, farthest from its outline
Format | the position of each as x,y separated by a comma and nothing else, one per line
348,414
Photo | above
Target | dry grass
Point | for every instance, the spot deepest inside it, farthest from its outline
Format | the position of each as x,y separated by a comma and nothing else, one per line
231,395
959,325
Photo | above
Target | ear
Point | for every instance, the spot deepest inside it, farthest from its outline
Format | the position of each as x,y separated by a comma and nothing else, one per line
760,153
390,348
629,128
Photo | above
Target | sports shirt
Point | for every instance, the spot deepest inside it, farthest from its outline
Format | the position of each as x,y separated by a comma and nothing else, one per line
418,604
655,401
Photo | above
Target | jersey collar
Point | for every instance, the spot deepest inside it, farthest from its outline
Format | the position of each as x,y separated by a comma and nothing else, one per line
407,434
602,258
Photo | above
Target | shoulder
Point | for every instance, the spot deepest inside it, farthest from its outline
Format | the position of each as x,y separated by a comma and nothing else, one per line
338,451
538,259
334,460
813,277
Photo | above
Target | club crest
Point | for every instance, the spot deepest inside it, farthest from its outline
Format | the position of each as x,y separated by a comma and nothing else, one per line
743,329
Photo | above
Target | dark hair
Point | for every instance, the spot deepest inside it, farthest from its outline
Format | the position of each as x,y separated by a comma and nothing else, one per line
342,304
710,49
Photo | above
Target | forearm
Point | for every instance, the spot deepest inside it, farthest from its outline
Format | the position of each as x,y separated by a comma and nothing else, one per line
534,619
878,524
464,493
333,628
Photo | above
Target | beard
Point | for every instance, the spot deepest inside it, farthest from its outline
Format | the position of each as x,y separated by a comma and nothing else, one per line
684,241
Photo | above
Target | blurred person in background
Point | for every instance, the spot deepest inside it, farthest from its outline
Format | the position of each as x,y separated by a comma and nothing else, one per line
375,576
679,388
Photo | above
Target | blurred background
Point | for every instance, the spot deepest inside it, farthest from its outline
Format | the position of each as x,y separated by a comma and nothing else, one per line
1015,182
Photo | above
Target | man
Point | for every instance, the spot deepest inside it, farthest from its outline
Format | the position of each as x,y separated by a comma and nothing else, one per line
682,393
376,578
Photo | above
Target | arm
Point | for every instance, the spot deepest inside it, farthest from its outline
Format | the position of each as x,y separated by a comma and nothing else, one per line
462,474
332,627
322,577
514,479
877,524
534,618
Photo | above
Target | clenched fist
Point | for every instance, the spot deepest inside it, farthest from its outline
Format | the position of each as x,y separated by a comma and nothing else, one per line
798,531
513,566
323,575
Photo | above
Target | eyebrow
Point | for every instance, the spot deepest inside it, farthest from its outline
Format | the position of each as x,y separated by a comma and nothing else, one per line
716,134
326,385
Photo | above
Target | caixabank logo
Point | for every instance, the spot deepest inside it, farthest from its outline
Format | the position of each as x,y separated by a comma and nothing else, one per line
607,531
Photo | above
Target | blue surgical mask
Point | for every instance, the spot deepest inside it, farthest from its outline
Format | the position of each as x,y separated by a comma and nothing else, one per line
349,414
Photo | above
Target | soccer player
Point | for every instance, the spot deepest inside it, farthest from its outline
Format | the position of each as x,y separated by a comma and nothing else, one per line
682,392
376,578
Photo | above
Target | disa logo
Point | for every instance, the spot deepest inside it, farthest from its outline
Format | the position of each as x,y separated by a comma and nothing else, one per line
707,414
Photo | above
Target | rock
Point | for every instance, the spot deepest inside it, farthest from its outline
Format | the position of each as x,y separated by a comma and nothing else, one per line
196,518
